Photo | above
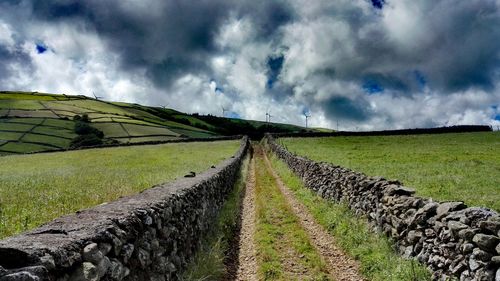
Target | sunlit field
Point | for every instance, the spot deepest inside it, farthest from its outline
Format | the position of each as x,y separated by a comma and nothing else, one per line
37,188
463,167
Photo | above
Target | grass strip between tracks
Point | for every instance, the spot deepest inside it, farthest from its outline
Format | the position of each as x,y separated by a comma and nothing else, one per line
284,251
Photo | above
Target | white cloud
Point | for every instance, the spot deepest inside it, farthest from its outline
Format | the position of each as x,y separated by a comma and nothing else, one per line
6,36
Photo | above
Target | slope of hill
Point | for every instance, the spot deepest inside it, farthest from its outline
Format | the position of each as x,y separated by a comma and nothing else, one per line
35,122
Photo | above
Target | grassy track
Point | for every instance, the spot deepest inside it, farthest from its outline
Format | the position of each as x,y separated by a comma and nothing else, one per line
283,248
378,261
462,166
37,188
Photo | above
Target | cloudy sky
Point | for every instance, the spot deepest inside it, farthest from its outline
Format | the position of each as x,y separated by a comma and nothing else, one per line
361,64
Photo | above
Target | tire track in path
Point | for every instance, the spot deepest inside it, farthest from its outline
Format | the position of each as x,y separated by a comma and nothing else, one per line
339,265
247,260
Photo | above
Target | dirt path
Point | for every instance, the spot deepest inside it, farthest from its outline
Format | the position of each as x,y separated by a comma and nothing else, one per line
339,265
247,263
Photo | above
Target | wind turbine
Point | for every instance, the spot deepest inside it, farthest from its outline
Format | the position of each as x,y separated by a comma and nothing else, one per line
307,117
268,115
96,97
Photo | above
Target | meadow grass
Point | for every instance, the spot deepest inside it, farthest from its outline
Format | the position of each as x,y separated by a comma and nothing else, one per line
50,140
10,136
208,263
464,166
15,127
37,188
58,132
70,125
20,104
375,253
34,121
22,147
282,245
139,130
146,139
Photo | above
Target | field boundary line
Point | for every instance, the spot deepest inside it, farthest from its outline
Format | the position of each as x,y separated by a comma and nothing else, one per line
341,266
51,110
125,130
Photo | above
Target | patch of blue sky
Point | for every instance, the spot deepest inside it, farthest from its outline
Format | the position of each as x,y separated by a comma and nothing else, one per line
379,4
372,86
40,48
233,114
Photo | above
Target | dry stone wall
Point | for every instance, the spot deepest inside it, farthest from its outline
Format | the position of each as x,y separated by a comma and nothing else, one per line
450,238
148,236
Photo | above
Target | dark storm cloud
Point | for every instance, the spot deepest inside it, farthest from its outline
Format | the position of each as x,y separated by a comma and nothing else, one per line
168,39
453,44
10,57
344,108
268,16
466,50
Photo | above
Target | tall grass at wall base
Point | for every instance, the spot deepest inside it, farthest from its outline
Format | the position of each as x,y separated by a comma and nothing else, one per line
209,262
374,251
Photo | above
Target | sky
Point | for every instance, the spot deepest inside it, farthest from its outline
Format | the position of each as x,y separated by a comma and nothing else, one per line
349,64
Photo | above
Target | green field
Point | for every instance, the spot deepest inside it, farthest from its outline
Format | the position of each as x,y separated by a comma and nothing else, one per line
37,188
51,117
464,167
118,121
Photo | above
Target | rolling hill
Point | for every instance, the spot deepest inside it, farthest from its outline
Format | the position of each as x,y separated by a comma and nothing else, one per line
35,122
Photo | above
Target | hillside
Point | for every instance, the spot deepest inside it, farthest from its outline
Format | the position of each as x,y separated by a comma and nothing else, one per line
35,122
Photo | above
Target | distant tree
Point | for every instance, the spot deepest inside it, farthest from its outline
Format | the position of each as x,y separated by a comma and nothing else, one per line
86,134
86,140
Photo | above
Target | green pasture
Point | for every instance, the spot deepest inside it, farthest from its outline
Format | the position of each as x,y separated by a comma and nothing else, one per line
17,127
26,95
146,139
49,140
194,134
10,136
41,113
100,106
138,130
67,124
55,131
463,167
34,121
40,187
66,106
111,130
130,121
21,104
22,147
